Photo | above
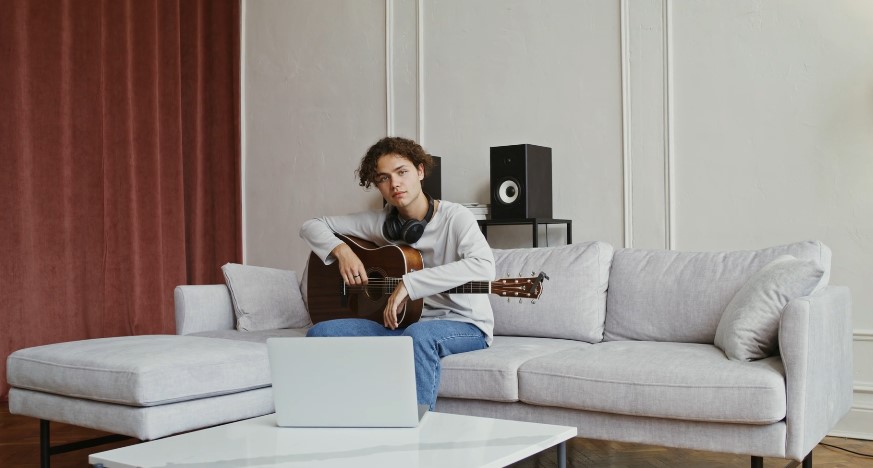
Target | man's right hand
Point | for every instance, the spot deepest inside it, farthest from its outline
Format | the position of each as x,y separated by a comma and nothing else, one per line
351,267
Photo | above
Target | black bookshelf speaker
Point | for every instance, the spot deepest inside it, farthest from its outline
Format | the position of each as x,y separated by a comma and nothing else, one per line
521,182
433,182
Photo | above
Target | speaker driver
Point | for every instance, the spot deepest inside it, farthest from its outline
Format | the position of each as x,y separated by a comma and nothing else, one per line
508,191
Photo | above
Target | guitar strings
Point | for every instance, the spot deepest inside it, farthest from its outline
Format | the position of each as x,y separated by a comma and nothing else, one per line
386,283
484,287
390,287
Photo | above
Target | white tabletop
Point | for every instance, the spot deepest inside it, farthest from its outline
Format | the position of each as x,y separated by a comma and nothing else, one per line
440,440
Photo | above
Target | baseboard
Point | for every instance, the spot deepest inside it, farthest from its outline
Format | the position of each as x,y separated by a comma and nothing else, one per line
858,424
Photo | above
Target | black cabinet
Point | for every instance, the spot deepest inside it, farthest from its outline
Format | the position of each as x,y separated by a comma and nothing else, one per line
534,222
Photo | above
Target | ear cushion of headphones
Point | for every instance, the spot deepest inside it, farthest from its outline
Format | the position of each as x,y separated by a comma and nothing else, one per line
409,231
412,231
391,228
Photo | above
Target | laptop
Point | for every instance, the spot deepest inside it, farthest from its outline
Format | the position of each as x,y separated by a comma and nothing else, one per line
344,382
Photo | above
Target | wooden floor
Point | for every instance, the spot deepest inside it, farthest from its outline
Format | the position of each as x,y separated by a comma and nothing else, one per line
598,453
19,447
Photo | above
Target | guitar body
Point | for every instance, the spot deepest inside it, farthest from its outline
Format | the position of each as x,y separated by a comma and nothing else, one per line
329,298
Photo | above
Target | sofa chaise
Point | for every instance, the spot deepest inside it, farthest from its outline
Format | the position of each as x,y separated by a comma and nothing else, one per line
631,345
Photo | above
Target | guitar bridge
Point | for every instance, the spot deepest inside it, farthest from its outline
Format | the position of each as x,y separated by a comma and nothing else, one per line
344,295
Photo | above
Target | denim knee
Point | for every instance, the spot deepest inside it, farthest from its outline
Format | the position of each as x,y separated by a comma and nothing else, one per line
316,330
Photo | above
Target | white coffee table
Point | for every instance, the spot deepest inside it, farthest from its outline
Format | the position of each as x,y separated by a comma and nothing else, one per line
441,440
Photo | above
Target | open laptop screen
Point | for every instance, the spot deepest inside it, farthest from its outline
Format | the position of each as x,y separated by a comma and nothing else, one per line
344,381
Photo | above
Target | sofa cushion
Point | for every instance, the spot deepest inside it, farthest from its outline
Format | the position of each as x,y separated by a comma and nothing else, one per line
663,380
665,295
265,298
255,336
143,370
573,302
144,423
203,307
492,373
750,324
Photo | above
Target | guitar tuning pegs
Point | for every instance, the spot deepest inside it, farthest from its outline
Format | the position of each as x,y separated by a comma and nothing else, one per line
533,273
507,300
533,301
519,300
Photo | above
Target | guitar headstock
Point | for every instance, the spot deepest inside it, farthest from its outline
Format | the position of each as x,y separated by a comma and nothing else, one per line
522,288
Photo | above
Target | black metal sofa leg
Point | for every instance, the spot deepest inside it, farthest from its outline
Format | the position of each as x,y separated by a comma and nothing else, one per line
44,444
758,462
46,450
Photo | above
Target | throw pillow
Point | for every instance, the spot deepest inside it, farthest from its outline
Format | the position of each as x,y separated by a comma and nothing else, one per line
573,303
265,298
680,296
749,327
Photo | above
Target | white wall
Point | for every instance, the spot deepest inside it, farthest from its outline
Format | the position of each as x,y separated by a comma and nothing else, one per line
315,96
773,125
501,73
695,125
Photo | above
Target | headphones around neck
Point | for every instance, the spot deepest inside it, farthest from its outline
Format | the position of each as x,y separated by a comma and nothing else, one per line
410,230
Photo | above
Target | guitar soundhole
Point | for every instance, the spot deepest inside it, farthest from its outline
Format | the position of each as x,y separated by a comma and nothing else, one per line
375,288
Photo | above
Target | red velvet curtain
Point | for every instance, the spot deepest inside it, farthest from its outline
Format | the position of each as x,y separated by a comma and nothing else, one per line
120,168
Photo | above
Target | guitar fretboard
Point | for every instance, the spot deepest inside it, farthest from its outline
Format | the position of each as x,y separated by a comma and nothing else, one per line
387,285
473,287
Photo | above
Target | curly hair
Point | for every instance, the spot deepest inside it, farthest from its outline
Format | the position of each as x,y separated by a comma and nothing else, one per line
405,147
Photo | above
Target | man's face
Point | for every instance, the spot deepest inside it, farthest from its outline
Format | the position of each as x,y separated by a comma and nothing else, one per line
398,179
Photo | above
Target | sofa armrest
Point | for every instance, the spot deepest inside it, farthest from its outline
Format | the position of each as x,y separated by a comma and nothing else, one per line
203,308
815,340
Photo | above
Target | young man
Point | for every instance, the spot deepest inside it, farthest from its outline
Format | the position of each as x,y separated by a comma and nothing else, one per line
453,249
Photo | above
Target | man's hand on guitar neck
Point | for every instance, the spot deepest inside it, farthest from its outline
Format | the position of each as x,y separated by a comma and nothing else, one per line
395,302
351,267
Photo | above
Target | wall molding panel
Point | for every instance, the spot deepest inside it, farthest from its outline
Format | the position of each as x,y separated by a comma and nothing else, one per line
419,68
626,153
402,52
647,120
669,148
863,335
389,67
242,129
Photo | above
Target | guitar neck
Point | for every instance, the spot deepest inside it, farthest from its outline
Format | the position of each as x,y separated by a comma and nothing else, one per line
529,288
473,287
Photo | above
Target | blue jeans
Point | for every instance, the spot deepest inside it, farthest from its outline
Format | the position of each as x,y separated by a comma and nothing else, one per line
431,340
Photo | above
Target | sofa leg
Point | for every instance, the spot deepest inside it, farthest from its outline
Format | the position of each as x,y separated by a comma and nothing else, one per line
46,450
44,444
758,462
807,460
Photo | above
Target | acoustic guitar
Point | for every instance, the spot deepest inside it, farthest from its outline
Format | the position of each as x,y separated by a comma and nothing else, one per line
329,297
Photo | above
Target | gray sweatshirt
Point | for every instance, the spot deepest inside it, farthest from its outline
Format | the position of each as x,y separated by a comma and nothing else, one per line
453,250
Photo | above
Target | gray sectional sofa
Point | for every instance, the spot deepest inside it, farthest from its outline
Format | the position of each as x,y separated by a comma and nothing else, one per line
621,345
